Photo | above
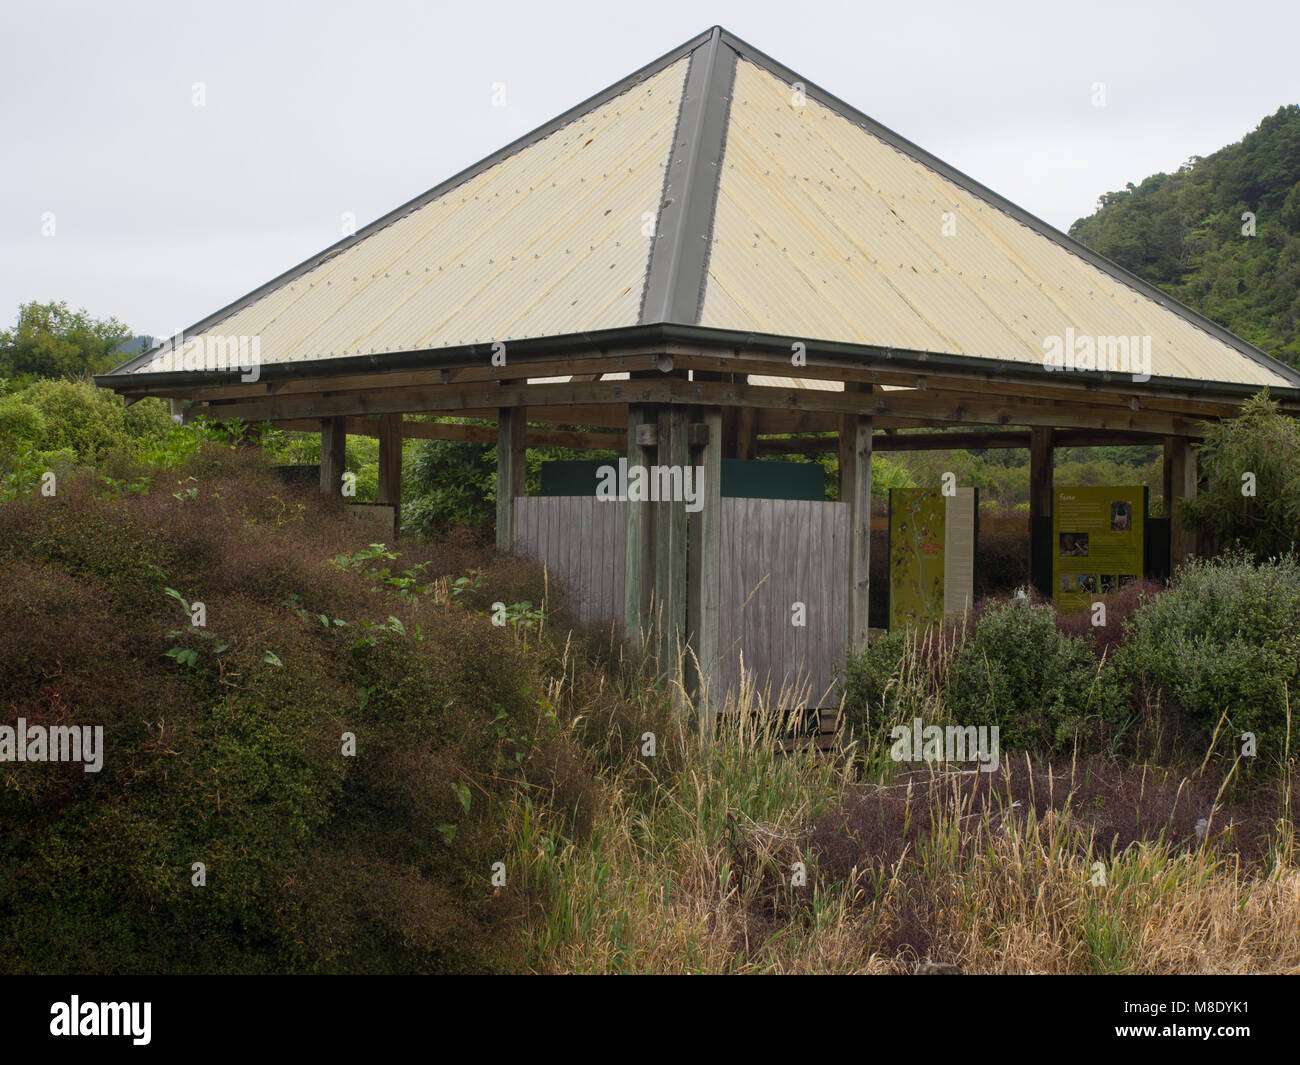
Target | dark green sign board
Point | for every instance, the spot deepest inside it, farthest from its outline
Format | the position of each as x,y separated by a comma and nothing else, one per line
740,479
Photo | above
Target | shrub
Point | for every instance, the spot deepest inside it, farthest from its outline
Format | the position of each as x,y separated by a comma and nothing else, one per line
1044,689
20,425
1266,444
75,415
222,744
875,690
1225,637
148,420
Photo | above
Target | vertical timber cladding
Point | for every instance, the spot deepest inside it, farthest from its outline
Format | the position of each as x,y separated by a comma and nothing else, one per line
581,540
782,564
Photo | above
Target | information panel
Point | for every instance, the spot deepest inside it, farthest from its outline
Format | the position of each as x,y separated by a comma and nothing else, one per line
1097,542
931,554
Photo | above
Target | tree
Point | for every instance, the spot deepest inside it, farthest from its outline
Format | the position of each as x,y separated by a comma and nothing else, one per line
50,340
1252,466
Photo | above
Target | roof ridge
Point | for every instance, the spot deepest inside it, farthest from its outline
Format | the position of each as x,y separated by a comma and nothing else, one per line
679,254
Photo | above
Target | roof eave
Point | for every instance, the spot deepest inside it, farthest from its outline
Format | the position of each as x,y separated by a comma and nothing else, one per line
608,341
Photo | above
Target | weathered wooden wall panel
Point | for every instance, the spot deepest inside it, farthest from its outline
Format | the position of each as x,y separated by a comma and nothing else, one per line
776,553
581,540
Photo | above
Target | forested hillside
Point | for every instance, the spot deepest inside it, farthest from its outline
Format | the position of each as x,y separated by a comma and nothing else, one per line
1222,234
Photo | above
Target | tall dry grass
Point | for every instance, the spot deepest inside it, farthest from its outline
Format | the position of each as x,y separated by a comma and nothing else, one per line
691,859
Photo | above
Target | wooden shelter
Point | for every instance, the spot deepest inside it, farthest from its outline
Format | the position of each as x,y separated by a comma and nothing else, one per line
714,259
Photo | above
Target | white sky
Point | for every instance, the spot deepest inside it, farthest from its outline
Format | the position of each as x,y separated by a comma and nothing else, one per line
165,212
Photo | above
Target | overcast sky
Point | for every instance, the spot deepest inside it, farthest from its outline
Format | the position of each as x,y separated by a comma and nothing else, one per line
163,211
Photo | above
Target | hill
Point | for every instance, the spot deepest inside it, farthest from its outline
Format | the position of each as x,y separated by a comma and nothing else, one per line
1222,234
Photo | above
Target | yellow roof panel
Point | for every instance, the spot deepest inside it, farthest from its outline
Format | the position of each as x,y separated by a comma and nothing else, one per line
823,230
547,241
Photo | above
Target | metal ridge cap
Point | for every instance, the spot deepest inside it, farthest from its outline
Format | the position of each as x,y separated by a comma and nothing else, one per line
676,270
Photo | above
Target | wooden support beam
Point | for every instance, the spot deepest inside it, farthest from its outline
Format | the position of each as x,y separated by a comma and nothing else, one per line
1040,472
855,492
793,421
979,440
561,366
511,471
670,531
746,435
879,367
457,399
477,434
705,576
637,574
612,416
537,436
1119,399
390,463
730,430
333,455
971,408
896,368
1179,478
996,410
1041,552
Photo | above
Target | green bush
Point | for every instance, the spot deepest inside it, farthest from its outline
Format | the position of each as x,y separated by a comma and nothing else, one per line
1265,444
148,420
875,694
75,415
21,425
223,743
1224,637
1044,690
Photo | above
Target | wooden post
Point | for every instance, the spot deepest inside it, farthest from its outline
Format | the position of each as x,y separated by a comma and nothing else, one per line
637,573
512,429
1179,478
390,459
670,530
746,435
390,465
855,492
333,455
703,597
1041,463
730,431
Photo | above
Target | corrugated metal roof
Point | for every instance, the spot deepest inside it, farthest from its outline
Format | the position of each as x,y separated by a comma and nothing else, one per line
547,241
825,231
770,216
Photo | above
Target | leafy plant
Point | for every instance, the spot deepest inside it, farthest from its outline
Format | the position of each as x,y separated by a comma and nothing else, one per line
1251,465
